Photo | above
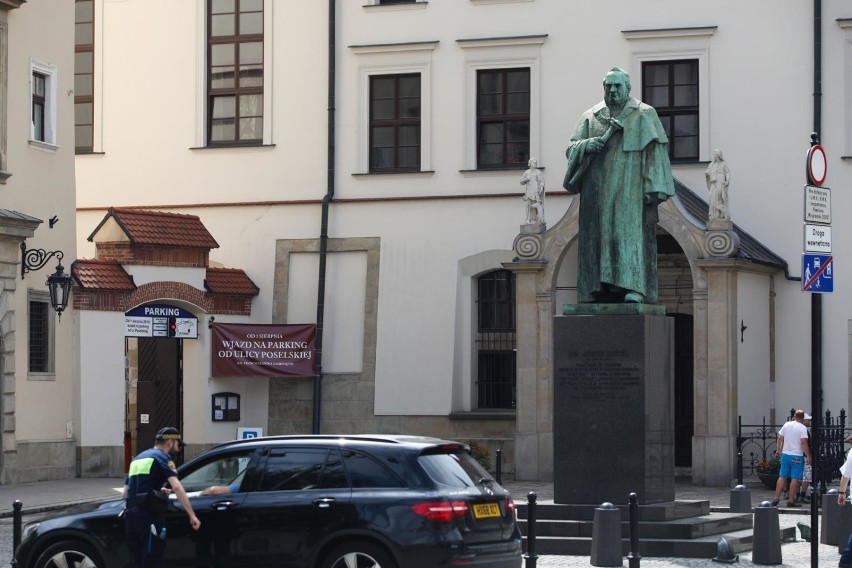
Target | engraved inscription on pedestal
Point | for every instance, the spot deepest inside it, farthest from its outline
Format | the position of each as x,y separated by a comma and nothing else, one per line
613,415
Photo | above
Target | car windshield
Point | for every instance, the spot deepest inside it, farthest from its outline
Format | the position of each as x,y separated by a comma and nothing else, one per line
456,470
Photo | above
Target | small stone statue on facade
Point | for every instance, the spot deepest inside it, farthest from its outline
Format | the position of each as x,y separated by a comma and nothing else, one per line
718,177
533,179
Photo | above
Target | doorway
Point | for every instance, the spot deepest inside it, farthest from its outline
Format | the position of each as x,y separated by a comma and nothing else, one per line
159,389
683,389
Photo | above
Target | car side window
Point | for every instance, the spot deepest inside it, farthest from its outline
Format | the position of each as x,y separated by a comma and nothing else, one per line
364,471
333,475
293,469
224,470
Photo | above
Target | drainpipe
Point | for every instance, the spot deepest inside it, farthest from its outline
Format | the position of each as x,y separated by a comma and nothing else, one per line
326,206
816,299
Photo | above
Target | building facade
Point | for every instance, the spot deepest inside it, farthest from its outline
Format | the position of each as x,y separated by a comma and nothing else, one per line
438,299
39,373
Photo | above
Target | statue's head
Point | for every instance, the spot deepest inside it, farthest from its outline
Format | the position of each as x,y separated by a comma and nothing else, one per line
616,87
532,163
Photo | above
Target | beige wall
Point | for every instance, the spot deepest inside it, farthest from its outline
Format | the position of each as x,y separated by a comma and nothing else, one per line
42,186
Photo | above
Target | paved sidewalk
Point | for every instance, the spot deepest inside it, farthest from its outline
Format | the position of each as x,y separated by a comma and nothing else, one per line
56,495
53,495
793,554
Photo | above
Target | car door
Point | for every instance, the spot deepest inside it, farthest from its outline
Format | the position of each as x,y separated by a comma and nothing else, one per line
302,496
229,475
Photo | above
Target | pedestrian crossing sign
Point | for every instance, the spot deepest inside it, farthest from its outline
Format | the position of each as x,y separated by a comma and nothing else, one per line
818,273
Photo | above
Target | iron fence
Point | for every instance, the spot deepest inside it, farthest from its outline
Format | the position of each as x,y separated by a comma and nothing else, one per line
757,443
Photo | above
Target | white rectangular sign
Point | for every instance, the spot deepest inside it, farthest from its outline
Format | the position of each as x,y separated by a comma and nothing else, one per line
817,238
249,433
817,205
186,327
137,327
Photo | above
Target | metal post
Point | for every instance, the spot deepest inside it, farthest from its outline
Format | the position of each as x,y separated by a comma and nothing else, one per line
633,557
17,517
531,557
740,467
499,473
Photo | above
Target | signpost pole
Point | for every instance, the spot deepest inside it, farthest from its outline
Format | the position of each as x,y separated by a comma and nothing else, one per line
816,406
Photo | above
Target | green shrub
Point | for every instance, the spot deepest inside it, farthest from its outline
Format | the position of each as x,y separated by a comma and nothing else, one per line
480,453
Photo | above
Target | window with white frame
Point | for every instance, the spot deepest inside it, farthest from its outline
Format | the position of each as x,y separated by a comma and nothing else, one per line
672,67
40,336
502,102
394,107
846,25
43,107
84,73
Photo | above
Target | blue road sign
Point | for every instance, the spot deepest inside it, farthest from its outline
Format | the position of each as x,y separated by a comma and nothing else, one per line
817,273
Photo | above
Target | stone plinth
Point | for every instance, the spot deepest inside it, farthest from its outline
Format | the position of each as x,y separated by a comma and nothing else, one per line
613,416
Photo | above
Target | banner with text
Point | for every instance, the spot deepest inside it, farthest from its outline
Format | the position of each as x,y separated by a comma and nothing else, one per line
264,350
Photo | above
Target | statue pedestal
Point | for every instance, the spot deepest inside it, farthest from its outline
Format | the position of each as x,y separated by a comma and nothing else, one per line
613,415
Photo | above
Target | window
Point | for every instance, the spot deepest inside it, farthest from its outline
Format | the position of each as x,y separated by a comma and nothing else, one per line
365,472
495,339
40,334
84,73
676,64
302,469
43,109
228,471
395,123
394,107
503,117
671,87
235,72
39,100
502,98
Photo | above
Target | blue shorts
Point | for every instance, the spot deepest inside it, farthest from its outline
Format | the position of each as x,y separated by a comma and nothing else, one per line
792,466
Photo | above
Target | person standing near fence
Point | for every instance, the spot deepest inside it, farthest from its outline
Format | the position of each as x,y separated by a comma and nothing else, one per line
795,452
845,474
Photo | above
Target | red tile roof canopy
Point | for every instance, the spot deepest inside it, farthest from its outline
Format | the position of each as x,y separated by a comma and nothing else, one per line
98,274
159,229
232,281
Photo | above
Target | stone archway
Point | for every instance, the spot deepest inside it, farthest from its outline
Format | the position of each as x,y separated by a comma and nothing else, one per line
714,315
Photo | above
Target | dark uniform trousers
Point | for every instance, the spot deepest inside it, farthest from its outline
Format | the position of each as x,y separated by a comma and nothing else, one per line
146,549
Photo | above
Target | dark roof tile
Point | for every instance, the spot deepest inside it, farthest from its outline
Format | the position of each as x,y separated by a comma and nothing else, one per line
230,281
96,274
160,228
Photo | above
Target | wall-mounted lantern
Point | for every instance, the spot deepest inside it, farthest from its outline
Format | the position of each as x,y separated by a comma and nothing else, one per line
59,283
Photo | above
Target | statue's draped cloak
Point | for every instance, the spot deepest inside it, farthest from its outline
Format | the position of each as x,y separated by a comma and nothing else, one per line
617,240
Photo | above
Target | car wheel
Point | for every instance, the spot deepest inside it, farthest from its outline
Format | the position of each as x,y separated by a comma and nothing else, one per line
67,553
359,555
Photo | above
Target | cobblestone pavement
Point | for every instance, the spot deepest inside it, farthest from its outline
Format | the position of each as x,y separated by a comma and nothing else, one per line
793,554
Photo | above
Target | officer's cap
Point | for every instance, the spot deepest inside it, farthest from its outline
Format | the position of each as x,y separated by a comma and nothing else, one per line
170,433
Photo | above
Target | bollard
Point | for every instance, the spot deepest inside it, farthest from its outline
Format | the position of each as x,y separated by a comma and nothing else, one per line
531,557
499,465
830,519
845,527
767,535
606,537
633,557
17,518
741,499
739,467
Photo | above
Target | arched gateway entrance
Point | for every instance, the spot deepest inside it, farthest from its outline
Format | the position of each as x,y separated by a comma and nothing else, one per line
710,255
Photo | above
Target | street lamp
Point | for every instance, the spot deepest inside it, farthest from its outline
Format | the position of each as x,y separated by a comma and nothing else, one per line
59,283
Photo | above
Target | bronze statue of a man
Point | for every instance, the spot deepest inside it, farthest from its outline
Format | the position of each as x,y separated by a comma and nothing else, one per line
618,163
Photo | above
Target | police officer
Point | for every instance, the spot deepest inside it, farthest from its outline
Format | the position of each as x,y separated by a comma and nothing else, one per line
147,499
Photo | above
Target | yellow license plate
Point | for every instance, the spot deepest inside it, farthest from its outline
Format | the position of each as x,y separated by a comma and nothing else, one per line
486,510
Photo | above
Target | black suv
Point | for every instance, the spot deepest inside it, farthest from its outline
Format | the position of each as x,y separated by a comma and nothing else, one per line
310,501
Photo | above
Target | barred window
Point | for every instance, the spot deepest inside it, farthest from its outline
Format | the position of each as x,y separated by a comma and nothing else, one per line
495,340
40,335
